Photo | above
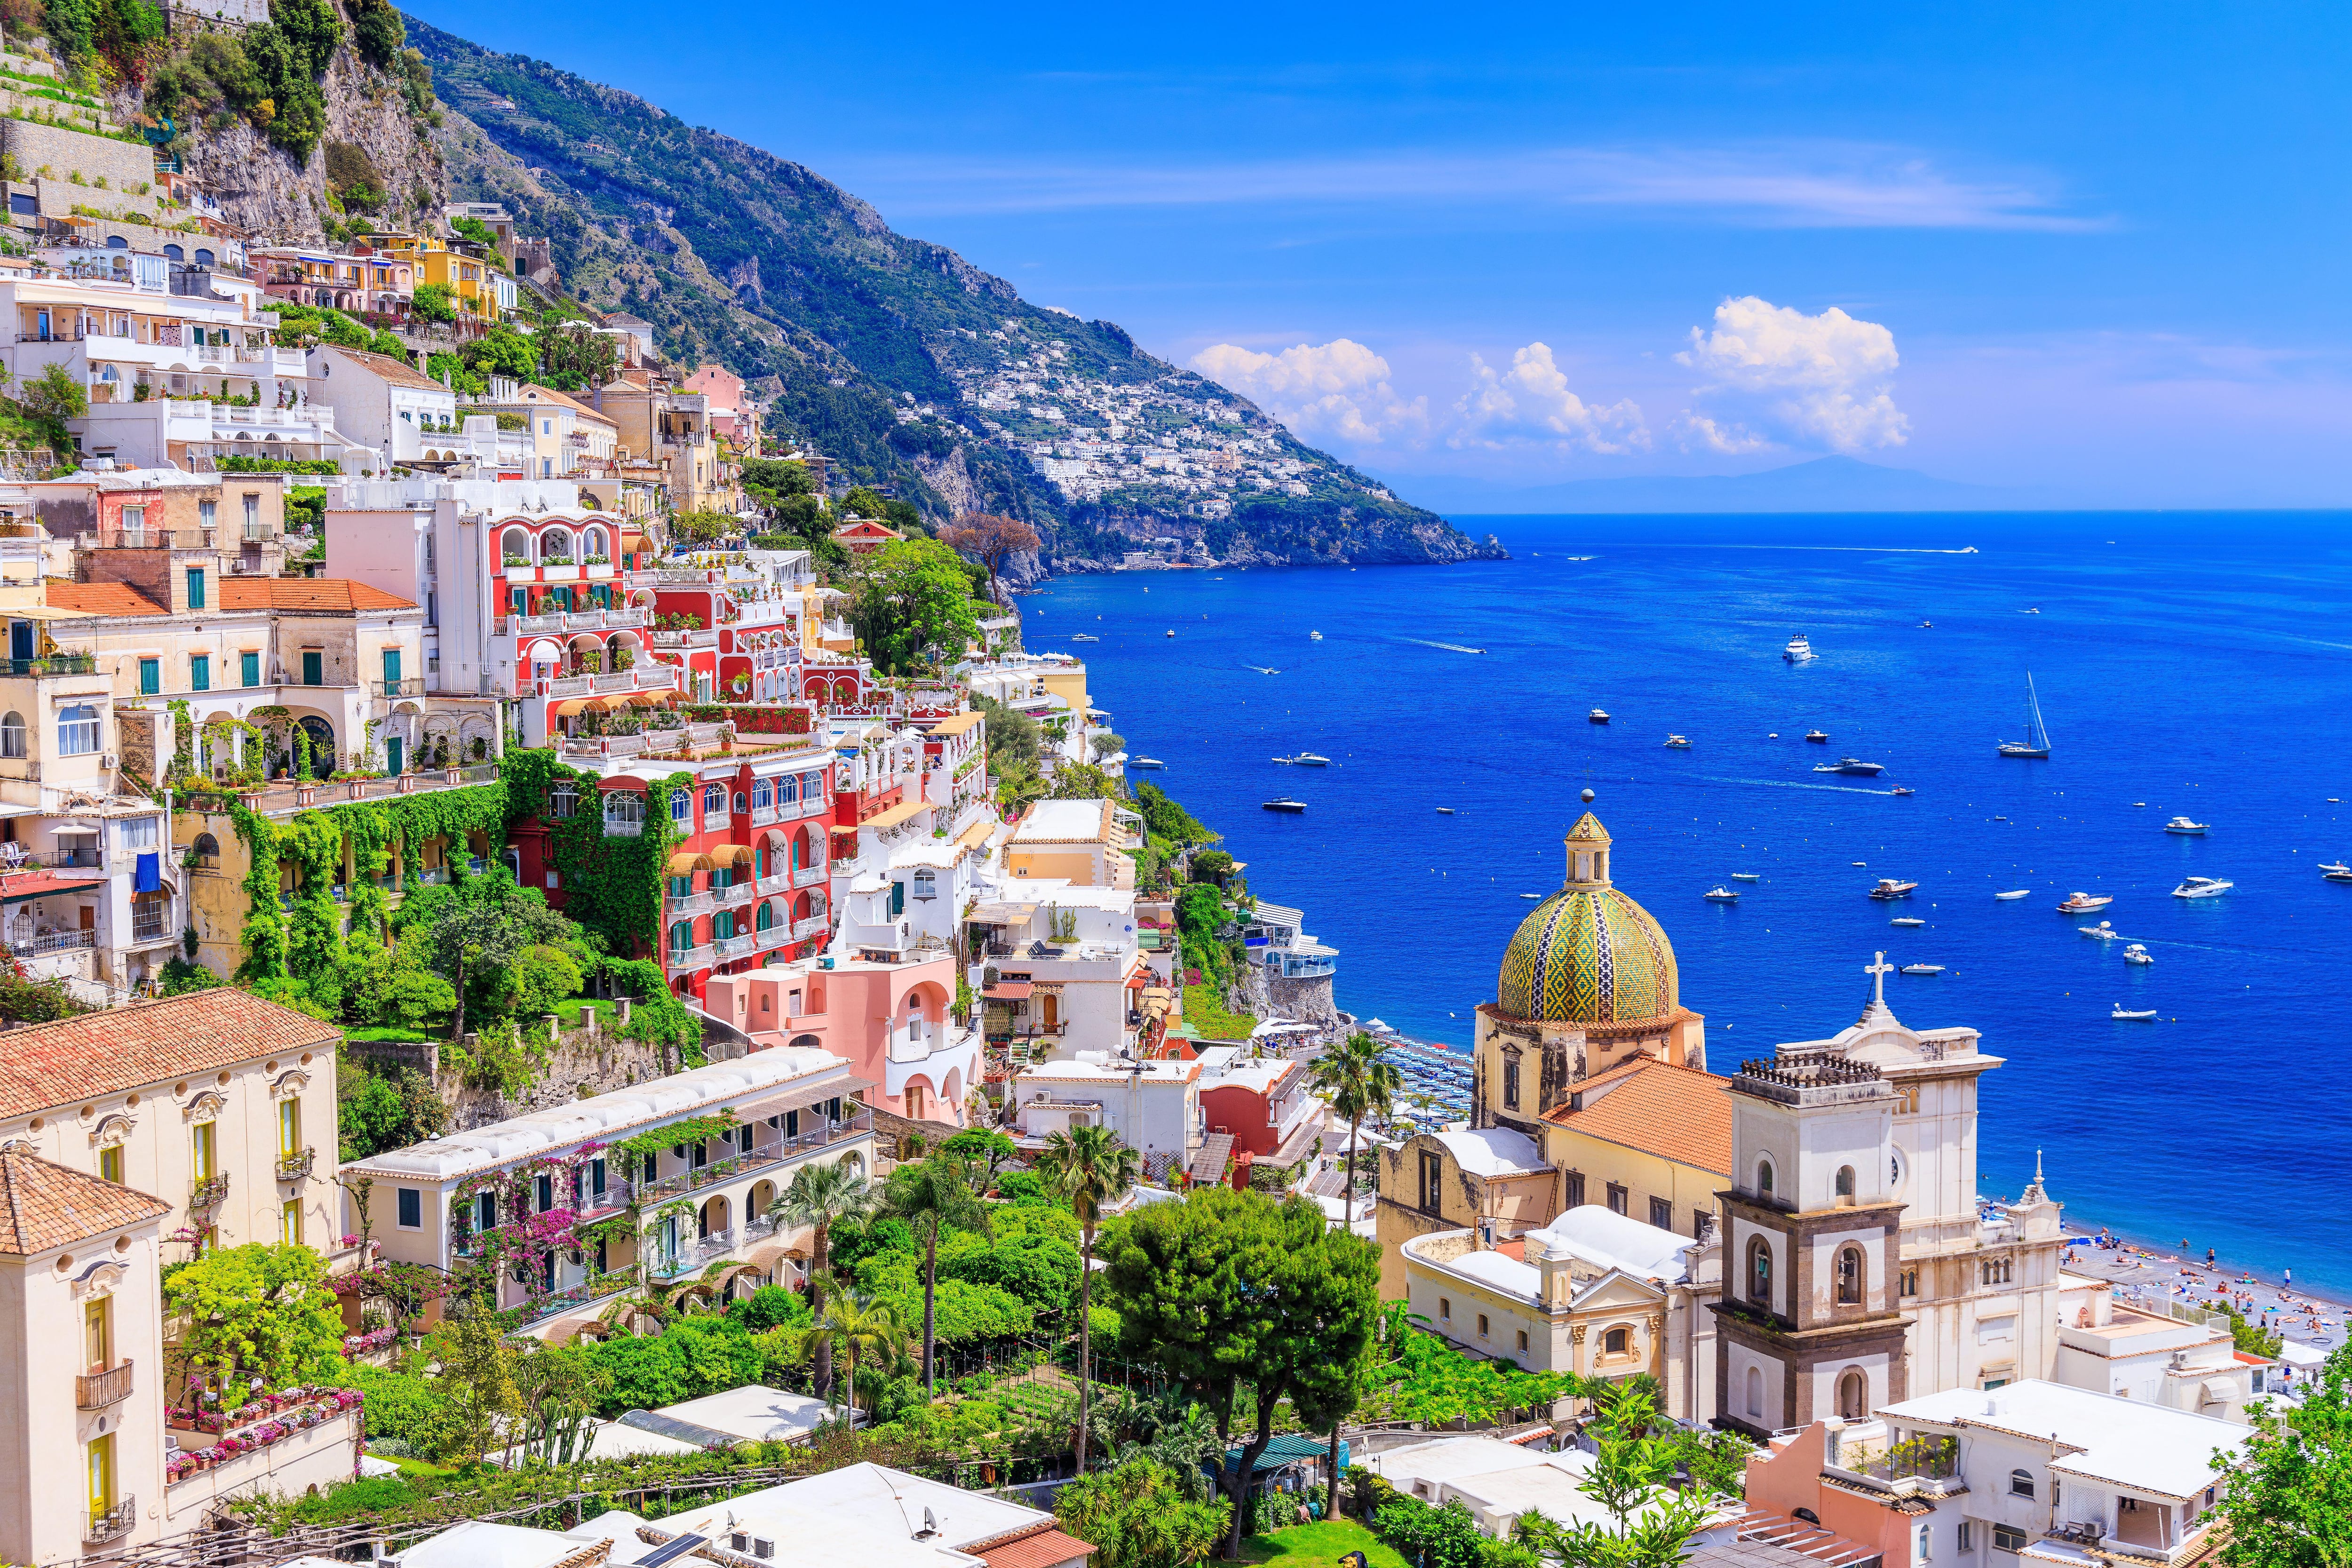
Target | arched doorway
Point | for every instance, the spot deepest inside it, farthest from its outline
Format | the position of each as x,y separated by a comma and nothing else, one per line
322,738
712,1219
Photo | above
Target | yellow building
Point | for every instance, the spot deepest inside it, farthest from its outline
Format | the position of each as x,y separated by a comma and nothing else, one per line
471,282
1649,1139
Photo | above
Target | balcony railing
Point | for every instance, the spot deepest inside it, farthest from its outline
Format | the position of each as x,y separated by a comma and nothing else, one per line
685,958
208,1192
1916,1458
52,664
296,1167
410,685
97,1390
55,942
692,903
734,893
808,876
625,828
774,882
815,925
726,947
693,1255
539,1309
111,1524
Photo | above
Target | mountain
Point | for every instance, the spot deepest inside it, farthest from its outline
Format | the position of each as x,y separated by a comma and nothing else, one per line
894,356
1824,484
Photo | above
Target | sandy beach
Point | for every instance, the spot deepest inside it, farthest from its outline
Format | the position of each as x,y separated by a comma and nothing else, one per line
2154,1274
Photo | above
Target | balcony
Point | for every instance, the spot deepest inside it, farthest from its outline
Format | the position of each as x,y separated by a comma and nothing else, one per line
53,664
413,686
727,947
54,942
97,1390
693,903
692,1256
539,1309
775,882
296,1167
734,893
684,959
773,936
735,1167
208,1192
808,876
815,925
112,1524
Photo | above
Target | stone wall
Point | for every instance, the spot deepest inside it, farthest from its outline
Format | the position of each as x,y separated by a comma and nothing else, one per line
583,1063
51,153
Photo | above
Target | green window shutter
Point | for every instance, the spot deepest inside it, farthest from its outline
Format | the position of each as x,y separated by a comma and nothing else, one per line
248,669
200,672
150,677
392,666
196,587
313,669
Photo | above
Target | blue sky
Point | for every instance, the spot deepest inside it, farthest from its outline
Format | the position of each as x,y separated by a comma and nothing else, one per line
2100,253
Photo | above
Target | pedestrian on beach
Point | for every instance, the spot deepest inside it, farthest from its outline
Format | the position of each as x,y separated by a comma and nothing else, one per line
2209,1257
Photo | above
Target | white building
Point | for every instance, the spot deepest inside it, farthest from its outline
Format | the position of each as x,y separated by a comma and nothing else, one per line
1153,1106
1501,1482
2160,1351
385,404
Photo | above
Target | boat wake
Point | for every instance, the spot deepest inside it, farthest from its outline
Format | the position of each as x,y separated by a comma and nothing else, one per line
1448,647
1793,784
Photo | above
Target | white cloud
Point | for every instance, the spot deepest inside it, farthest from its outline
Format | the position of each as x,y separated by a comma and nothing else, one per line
1776,376
1530,402
1337,391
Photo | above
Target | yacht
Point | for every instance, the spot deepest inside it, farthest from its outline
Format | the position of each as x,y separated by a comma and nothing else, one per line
2137,953
1798,650
2187,829
1084,636
2137,1016
1444,811
1818,737
2345,875
1853,765
1923,969
2084,903
2013,893
1893,888
1907,921
1722,894
1748,876
2103,931
1172,630
1286,803
1314,637
2202,888
2330,868
1145,763
1900,789
1310,760
2037,735
1677,743
1531,895
1598,716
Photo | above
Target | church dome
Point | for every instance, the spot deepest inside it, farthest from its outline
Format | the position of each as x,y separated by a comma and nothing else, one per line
1588,954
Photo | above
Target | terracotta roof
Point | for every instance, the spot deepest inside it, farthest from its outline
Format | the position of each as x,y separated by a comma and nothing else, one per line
329,595
123,1047
1675,1112
101,599
537,393
399,371
1043,1550
45,1206
18,886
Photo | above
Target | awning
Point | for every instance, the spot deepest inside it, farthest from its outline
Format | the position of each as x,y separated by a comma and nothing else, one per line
19,887
1007,991
735,855
1138,980
1003,914
686,862
574,705
647,699
977,834
897,814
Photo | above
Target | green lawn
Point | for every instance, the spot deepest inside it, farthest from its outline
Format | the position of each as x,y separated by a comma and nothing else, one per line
1206,1011
1320,1546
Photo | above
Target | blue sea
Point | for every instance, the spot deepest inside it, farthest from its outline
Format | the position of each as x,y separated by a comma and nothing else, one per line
2199,663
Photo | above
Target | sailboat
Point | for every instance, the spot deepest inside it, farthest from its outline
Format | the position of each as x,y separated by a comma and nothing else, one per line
2037,735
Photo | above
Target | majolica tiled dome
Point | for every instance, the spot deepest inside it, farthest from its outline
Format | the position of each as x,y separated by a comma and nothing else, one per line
1588,954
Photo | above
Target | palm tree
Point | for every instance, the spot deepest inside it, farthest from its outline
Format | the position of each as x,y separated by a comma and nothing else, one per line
859,1325
1357,1079
1090,1168
820,1198
927,1195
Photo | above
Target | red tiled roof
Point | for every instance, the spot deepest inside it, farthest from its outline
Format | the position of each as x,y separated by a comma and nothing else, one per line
45,1206
101,599
123,1047
16,886
1044,1549
1677,1113
397,371
331,596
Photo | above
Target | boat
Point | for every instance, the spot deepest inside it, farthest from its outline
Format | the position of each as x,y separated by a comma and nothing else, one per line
1923,969
2103,931
1907,921
2339,877
1677,743
1598,716
1818,737
1265,669
1798,650
1314,637
1902,789
1853,765
2037,735
1084,636
1310,760
1722,894
1285,760
1145,763
1444,811
1531,895
1893,888
2186,829
1172,630
2137,1016
2139,806
2030,610
2328,867
2137,953
2013,893
1748,876
2202,888
2084,903
1286,803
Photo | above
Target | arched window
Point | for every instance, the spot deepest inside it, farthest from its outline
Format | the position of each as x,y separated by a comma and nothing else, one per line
1755,1394
681,806
1852,1394
555,545
2021,1483
926,883
174,253
563,800
12,735
1763,1178
738,802
1616,1341
1926,1541
681,936
203,258
625,810
762,794
77,729
1760,1272
1849,1277
714,800
1845,1181
206,848
767,916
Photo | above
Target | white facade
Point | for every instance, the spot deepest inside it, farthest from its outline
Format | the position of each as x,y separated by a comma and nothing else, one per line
382,404
1153,1106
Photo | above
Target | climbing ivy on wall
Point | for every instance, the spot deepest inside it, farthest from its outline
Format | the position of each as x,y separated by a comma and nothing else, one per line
612,885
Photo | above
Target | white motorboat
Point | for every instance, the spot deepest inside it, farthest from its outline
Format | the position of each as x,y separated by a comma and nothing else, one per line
1923,969
1907,921
2344,875
1286,804
1444,811
1818,737
2202,888
1722,894
1854,766
1310,760
2134,1014
1798,650
1145,763
1084,636
2187,829
1531,895
2014,893
2330,868
2037,735
2137,953
1893,888
1314,637
1899,789
1598,716
2084,903
1677,743
2103,931
1748,876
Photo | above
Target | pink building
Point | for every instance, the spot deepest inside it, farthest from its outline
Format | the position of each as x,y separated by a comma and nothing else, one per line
891,1021
724,389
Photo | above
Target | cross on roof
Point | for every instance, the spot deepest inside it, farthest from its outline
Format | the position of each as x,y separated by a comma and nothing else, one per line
1878,973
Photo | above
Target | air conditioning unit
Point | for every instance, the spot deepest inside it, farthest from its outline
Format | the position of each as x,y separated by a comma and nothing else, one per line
109,761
